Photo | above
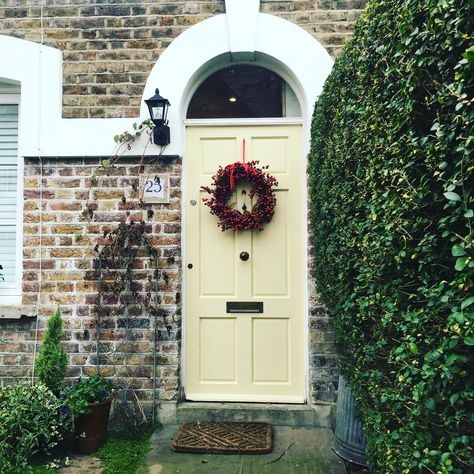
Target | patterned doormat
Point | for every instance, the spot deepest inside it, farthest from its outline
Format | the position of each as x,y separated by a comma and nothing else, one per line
224,438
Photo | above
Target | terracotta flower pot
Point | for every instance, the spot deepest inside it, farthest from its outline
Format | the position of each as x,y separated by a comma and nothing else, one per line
91,428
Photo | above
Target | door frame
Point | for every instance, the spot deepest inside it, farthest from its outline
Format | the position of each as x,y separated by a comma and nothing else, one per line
303,180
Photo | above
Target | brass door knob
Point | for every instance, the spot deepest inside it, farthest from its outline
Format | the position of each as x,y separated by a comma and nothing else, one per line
244,256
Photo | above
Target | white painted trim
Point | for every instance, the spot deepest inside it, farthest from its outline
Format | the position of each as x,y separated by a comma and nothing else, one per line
11,294
38,69
242,20
242,122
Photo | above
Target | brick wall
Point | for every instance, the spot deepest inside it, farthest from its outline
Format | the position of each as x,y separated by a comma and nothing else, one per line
109,47
66,278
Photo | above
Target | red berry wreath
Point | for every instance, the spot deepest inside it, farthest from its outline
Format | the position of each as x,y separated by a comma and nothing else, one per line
262,186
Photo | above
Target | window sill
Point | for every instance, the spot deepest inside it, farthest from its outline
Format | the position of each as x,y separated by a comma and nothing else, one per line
8,312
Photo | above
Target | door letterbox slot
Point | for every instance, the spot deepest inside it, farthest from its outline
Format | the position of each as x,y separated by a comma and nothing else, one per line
244,306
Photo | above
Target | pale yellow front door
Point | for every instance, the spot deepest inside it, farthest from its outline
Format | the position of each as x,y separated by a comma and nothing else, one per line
245,356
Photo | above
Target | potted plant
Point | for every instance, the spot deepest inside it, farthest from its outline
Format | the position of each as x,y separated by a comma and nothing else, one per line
89,400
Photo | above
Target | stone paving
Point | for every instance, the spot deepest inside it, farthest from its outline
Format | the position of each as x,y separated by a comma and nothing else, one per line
82,464
295,450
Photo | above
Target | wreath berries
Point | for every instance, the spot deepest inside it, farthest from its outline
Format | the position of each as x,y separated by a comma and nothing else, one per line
262,186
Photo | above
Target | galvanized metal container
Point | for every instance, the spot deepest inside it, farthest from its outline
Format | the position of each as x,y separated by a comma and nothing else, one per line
349,441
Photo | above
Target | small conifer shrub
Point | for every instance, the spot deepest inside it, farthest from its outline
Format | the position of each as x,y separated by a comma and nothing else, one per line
51,365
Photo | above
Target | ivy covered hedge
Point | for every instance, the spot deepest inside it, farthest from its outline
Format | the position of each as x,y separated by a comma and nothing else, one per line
391,176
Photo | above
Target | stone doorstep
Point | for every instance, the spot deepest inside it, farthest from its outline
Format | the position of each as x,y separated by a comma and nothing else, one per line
277,414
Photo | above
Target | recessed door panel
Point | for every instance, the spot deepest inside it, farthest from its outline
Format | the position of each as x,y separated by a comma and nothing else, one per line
218,360
272,151
216,256
214,150
270,254
270,350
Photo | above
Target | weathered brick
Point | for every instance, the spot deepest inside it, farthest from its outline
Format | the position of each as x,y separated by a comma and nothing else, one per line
66,253
66,229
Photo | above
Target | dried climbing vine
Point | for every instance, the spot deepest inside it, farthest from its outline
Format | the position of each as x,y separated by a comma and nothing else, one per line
128,275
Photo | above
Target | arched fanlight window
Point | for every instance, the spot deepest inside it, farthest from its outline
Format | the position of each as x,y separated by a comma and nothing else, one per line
243,91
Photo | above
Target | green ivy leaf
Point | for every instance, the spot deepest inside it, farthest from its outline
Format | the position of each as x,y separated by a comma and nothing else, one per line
459,318
454,398
413,348
457,251
469,341
430,404
467,302
452,196
461,263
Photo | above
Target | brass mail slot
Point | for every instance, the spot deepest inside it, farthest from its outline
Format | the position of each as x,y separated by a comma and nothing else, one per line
244,306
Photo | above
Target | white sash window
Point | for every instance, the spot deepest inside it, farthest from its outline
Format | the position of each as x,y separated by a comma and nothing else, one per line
10,202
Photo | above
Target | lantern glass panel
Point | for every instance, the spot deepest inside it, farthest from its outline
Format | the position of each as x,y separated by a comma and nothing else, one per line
158,112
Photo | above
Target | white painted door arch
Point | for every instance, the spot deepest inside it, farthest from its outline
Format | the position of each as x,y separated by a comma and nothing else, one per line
241,35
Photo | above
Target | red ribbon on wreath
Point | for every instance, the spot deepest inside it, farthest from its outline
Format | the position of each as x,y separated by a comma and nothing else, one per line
232,166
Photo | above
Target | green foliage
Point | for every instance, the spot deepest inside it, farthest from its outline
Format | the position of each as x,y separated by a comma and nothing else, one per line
51,364
85,392
123,452
392,211
31,420
127,138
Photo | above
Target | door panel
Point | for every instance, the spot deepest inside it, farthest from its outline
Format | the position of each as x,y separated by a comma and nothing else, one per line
215,259
213,149
218,361
270,348
270,254
245,356
273,151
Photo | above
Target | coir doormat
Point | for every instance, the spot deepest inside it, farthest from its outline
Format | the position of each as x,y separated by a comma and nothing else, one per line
224,438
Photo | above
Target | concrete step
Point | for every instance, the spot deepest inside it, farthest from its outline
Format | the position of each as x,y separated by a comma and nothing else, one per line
277,414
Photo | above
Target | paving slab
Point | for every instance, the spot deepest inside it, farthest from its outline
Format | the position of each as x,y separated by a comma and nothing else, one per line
295,450
82,464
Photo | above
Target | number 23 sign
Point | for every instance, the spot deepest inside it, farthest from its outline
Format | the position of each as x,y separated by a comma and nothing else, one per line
155,188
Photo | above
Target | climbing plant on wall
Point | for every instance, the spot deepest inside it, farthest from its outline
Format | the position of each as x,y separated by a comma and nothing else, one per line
391,177
128,275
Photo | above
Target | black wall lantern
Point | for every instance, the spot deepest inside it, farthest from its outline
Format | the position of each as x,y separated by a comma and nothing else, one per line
158,108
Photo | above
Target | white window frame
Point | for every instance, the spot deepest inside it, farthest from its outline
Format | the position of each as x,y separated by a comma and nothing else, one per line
11,294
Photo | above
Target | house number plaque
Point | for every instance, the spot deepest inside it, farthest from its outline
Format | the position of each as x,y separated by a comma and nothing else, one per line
155,188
